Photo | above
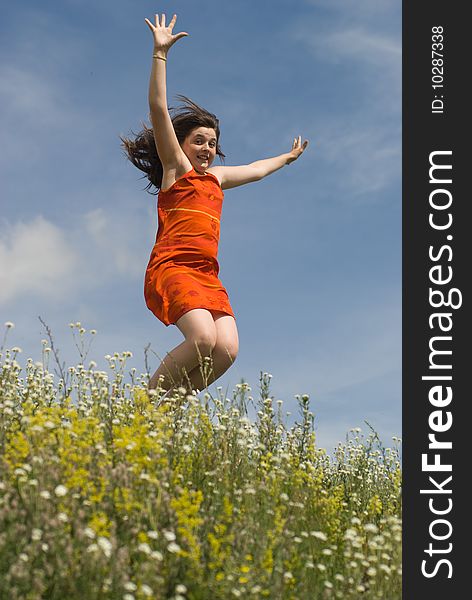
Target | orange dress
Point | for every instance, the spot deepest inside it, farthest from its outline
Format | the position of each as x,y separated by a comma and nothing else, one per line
182,273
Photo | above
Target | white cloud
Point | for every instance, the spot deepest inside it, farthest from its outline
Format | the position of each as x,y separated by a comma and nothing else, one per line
357,35
355,139
115,242
32,101
374,57
38,117
364,145
358,44
358,8
38,79
30,105
368,157
36,259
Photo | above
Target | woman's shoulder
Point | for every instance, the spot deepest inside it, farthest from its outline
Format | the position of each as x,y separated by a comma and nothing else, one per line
216,172
171,179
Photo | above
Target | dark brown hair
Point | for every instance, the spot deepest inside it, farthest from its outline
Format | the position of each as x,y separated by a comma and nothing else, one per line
142,152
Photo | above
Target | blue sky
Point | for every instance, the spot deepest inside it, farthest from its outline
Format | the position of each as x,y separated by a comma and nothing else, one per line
310,256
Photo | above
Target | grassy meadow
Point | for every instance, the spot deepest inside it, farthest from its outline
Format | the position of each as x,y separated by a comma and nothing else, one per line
108,494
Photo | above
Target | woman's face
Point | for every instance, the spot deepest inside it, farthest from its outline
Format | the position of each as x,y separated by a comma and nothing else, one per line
200,147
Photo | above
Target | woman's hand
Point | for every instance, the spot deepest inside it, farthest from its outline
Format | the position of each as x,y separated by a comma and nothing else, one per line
297,149
163,37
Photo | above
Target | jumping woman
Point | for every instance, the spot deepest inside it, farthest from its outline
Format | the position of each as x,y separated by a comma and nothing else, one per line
181,284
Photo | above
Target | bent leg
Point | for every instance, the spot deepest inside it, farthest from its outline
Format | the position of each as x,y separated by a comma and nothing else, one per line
199,330
224,353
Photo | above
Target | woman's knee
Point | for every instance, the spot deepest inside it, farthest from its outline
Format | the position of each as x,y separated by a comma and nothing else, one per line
227,347
199,329
205,340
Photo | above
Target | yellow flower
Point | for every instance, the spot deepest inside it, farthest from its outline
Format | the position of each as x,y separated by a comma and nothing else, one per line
100,524
375,505
187,507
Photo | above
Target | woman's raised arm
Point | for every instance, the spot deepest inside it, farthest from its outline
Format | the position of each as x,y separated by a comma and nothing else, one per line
168,147
230,177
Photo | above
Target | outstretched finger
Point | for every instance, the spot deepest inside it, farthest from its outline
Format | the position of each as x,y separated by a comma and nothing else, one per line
163,20
172,23
149,24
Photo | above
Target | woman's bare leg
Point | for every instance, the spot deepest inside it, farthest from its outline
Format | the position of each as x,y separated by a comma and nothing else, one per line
199,330
223,355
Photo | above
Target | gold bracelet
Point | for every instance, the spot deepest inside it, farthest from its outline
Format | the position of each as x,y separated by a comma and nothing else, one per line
159,57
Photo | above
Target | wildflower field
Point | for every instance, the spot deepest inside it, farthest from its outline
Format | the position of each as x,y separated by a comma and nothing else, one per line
108,494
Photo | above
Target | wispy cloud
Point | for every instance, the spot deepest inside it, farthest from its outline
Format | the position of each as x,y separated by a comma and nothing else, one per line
44,56
36,259
39,258
115,243
32,110
365,10
354,35
357,44
369,157
360,139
